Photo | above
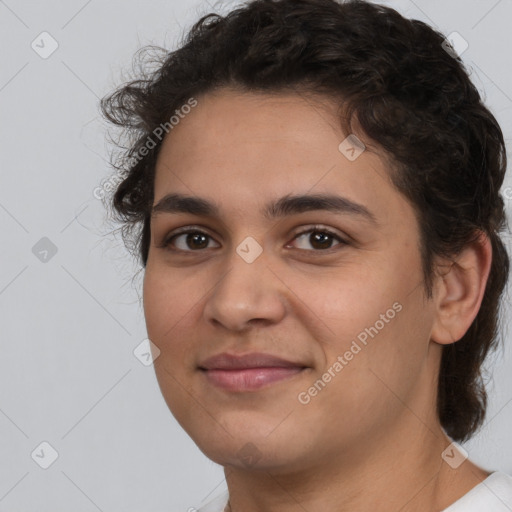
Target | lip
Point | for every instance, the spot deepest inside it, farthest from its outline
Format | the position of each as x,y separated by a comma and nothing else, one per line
248,372
227,361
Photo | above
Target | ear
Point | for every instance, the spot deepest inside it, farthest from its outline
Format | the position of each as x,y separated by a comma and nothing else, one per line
460,289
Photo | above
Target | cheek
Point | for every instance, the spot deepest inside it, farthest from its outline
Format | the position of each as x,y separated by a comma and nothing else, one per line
375,318
167,301
351,299
167,309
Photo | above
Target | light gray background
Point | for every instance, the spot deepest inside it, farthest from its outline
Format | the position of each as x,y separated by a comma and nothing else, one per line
69,325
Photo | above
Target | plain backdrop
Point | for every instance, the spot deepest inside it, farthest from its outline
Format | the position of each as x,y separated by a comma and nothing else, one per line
71,314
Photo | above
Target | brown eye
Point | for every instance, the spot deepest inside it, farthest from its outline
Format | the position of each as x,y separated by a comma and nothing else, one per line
319,239
196,240
191,240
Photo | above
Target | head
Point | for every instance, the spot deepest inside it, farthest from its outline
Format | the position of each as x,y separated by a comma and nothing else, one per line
403,282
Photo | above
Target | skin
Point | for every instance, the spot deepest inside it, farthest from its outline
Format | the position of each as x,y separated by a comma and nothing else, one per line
370,439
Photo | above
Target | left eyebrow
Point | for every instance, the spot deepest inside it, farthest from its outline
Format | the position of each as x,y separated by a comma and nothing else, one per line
289,205
286,205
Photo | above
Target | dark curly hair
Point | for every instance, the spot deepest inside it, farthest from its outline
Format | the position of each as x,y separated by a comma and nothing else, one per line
409,92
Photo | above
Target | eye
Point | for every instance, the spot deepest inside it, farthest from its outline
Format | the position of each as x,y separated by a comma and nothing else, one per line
319,238
187,240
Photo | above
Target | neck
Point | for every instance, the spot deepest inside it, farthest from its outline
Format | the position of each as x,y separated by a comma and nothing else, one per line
401,472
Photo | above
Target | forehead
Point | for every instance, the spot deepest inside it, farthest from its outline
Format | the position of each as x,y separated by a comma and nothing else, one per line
227,114
239,148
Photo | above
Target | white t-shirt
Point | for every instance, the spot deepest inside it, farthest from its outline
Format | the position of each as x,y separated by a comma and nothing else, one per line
494,494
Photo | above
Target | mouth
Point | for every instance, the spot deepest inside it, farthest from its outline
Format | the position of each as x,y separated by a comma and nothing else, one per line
249,372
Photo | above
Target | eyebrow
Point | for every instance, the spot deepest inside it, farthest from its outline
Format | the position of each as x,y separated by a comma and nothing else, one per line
286,205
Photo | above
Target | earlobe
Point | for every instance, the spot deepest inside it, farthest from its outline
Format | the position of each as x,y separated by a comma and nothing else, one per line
460,290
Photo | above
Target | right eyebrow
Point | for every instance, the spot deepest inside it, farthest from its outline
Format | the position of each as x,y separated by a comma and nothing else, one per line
179,203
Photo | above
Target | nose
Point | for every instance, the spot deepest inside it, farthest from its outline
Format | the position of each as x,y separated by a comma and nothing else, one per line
246,294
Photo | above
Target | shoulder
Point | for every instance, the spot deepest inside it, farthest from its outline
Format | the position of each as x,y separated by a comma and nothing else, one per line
494,493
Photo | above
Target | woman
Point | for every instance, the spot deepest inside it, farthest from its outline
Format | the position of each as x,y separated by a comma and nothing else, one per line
314,190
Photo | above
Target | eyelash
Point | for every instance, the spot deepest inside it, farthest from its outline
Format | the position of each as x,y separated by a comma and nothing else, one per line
191,230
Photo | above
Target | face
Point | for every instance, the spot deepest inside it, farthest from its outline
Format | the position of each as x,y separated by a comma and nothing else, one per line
334,287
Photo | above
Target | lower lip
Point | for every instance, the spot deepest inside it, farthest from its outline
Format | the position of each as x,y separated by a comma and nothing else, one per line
249,379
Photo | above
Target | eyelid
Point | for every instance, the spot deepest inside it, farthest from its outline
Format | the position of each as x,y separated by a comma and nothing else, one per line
319,227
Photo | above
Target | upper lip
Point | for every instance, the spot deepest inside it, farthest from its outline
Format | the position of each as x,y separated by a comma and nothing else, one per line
226,361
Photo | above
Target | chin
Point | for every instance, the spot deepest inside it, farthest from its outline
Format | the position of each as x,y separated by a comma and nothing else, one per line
248,456
252,450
